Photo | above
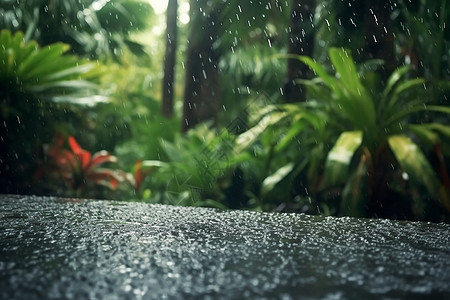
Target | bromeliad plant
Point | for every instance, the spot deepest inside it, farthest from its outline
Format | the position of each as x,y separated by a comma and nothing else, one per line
365,146
77,167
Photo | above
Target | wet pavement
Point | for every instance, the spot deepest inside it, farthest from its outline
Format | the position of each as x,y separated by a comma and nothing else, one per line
52,248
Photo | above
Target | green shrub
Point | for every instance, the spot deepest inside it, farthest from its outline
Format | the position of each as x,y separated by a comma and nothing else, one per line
37,86
361,150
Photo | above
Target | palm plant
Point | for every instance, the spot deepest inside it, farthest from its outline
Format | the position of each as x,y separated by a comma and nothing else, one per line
44,72
362,146
94,28
34,85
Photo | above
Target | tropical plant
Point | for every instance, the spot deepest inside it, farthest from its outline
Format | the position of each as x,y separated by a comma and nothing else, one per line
78,168
35,84
362,146
197,170
45,72
94,28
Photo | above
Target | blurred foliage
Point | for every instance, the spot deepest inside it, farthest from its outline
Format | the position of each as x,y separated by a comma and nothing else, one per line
37,86
365,143
97,29
44,72
361,150
423,40
195,165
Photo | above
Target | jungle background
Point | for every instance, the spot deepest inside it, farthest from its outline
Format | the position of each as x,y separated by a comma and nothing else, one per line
334,107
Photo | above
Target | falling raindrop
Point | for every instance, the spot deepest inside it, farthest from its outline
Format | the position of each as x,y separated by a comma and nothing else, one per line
405,176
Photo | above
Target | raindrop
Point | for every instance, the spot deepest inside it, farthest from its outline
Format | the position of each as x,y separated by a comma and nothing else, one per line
375,16
270,45
204,74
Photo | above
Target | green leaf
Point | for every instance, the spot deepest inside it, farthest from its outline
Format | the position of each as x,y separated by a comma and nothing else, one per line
394,78
425,134
247,138
41,61
441,128
329,80
396,117
152,163
437,108
173,152
346,68
401,88
291,134
270,182
47,72
340,156
414,163
349,100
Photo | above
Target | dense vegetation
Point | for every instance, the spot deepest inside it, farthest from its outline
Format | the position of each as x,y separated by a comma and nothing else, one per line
335,107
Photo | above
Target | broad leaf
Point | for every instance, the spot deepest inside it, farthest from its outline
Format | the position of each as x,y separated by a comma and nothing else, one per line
339,158
346,68
247,138
270,182
414,163
84,156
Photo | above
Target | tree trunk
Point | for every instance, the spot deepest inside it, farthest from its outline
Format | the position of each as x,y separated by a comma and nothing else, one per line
202,96
169,59
300,42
